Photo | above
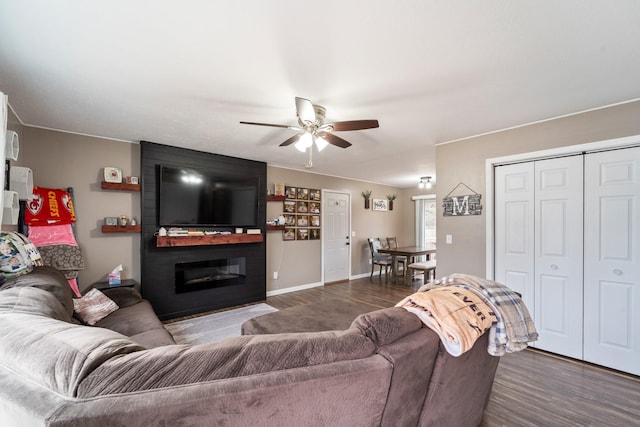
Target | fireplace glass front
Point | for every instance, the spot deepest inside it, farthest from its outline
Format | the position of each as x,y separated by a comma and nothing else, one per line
215,273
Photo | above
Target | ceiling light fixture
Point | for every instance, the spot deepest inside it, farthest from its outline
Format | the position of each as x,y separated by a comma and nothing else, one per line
425,182
307,139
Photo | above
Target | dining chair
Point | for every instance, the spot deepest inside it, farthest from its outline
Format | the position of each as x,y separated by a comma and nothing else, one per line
427,267
392,243
381,260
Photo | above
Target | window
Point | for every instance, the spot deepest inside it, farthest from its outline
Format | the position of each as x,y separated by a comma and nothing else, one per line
425,220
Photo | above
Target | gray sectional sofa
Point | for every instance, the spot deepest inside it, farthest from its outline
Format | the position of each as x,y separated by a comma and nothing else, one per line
385,369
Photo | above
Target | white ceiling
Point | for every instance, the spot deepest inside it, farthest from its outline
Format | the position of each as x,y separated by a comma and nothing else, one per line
186,72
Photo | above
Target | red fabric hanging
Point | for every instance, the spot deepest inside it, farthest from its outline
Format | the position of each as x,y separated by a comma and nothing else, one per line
49,206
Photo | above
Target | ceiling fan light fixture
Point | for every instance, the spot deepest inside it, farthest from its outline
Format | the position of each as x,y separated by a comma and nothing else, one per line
305,141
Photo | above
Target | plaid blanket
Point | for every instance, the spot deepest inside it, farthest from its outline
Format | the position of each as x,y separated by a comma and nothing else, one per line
514,327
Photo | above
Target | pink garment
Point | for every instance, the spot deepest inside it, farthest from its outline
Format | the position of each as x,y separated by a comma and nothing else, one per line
74,286
48,235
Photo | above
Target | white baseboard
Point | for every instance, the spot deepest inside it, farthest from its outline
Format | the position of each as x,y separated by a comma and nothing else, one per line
360,276
293,289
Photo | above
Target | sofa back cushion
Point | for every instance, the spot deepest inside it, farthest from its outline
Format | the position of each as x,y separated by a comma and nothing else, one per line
40,344
234,357
48,279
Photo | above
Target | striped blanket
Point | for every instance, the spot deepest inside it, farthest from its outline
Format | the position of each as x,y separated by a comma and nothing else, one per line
514,327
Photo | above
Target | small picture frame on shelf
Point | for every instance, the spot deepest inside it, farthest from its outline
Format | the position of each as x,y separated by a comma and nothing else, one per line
314,220
290,220
302,207
303,193
289,206
289,234
131,180
314,195
302,234
314,207
278,189
314,234
112,174
290,192
303,221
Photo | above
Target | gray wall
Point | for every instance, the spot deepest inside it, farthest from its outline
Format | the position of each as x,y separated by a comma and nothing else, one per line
298,262
61,160
464,161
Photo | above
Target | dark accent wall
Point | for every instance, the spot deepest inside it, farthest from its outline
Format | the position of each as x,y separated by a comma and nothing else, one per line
158,264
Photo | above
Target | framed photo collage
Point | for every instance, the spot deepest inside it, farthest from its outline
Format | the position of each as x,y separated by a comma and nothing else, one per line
301,211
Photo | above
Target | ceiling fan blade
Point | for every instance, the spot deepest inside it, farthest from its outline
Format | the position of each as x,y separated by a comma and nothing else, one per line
269,124
305,111
291,140
354,125
335,140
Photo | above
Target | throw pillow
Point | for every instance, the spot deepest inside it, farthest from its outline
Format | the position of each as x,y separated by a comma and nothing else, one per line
93,307
18,255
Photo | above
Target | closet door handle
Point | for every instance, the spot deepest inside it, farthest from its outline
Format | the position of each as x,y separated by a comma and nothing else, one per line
554,267
617,272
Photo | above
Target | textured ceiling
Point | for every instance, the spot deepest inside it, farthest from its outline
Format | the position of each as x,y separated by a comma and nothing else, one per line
185,73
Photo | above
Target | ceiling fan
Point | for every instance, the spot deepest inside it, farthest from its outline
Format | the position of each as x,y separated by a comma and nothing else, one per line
312,128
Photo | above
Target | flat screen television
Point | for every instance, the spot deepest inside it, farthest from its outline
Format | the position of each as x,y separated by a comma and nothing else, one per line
190,197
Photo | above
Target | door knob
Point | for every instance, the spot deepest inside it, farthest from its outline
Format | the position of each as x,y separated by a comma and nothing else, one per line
554,267
617,272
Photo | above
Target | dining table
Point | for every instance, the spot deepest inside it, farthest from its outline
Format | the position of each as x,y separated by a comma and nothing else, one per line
411,252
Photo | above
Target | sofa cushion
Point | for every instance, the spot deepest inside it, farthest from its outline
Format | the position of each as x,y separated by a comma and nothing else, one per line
39,344
387,325
313,317
93,307
33,301
124,296
233,357
140,323
48,279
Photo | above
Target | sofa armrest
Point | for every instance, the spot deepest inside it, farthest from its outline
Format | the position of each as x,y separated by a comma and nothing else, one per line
123,296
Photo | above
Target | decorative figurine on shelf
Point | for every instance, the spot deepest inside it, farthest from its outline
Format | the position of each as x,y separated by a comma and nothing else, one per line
123,221
133,222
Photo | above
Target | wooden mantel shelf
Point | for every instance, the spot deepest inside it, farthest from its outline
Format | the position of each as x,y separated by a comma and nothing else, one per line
211,239
121,229
119,186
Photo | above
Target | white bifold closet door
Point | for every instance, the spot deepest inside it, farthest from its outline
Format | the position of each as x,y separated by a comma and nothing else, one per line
558,255
538,243
514,221
612,260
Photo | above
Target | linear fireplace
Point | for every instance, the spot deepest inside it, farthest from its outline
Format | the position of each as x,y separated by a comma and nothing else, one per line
215,273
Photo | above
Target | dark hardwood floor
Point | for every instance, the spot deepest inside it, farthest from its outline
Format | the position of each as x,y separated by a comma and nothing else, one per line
531,388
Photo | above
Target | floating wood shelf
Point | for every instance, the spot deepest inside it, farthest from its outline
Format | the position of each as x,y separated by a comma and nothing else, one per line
272,198
119,186
211,239
120,229
275,227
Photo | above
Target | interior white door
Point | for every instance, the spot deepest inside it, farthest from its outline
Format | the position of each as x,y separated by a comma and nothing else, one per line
612,259
335,231
514,227
558,255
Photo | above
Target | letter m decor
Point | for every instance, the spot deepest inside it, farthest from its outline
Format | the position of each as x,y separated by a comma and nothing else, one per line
462,205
